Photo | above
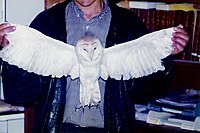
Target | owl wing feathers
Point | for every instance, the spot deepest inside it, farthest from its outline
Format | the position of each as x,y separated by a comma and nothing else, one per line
33,51
139,57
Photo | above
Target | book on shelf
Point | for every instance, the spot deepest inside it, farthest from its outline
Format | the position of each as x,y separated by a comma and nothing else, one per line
199,47
143,4
179,6
188,24
151,19
196,43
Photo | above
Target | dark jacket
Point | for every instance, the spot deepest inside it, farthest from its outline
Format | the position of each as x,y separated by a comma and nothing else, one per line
48,94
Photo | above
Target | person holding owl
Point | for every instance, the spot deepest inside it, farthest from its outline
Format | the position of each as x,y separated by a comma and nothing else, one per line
56,99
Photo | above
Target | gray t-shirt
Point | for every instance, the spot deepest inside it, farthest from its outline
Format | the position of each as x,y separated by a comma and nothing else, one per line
76,27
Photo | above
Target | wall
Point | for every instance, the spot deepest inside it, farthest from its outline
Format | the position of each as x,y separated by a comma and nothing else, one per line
22,11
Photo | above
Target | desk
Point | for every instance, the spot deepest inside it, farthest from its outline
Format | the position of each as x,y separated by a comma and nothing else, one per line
144,127
12,122
11,119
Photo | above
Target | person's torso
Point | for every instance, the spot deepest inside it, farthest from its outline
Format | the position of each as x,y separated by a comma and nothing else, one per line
76,27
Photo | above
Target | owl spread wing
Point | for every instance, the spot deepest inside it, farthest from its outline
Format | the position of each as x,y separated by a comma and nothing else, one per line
139,57
33,51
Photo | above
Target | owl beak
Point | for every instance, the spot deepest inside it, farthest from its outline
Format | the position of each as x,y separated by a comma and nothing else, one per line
91,55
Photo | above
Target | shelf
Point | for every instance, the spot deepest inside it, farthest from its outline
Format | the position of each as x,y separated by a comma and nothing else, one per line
176,1
188,63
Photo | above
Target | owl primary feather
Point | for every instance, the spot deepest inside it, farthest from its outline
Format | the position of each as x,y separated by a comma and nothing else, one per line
35,52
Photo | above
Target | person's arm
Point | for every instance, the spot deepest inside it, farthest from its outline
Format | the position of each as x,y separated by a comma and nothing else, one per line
19,86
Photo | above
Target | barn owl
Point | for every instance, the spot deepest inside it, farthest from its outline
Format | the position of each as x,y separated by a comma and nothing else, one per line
35,52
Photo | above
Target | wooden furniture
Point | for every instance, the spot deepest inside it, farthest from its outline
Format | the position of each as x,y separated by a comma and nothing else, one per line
29,119
186,75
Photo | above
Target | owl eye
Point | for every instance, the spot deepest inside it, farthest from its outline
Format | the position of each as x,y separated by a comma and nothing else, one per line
95,48
85,49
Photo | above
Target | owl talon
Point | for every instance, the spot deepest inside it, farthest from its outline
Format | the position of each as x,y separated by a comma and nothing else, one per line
94,105
97,106
79,107
89,106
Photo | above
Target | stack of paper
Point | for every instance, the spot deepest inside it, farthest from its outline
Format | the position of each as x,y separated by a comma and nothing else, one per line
170,119
186,103
141,112
4,107
180,109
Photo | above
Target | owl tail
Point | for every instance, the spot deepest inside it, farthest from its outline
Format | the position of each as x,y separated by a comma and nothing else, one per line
90,94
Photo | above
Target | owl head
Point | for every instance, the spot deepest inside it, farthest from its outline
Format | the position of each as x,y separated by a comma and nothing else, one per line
89,50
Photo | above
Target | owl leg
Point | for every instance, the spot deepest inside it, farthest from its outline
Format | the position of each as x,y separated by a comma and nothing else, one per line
85,94
82,97
95,95
89,95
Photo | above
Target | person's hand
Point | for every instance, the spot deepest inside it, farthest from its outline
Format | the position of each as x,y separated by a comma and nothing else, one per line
4,29
180,39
